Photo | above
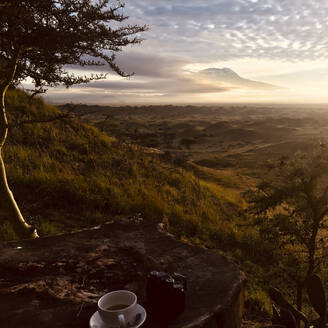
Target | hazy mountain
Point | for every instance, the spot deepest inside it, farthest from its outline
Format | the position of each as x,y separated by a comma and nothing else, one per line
227,75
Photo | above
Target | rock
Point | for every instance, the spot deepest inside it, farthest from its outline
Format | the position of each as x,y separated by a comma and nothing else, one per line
56,281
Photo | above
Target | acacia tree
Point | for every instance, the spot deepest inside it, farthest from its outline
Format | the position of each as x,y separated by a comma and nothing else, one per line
290,208
39,39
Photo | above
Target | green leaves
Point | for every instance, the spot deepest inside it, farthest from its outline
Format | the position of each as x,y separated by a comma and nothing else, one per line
290,208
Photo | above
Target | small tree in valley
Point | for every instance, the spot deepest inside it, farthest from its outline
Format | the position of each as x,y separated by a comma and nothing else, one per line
38,39
290,208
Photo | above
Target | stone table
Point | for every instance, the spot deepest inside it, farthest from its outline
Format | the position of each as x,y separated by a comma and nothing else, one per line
56,281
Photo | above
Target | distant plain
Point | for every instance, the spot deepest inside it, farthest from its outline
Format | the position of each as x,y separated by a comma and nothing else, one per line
238,139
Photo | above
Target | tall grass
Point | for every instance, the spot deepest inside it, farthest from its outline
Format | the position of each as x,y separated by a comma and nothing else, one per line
67,175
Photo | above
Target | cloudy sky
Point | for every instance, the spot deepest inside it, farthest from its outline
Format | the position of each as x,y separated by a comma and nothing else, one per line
281,42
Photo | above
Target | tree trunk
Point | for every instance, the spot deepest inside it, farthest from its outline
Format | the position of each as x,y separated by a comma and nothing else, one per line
299,297
8,203
312,247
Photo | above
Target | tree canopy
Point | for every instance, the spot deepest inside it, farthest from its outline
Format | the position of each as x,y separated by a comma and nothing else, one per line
41,37
290,209
39,40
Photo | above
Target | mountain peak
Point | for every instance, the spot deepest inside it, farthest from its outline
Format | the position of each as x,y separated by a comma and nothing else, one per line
227,70
227,75
219,71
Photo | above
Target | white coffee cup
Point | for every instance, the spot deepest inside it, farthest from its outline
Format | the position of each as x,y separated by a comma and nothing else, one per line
112,310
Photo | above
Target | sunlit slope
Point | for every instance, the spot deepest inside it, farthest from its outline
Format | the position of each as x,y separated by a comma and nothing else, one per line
66,174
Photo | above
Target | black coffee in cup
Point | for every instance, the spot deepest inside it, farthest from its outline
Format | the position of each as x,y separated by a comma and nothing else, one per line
116,307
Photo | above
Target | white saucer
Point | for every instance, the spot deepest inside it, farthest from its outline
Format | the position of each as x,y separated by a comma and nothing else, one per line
96,321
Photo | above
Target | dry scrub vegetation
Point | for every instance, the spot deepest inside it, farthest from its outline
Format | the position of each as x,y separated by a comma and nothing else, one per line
68,175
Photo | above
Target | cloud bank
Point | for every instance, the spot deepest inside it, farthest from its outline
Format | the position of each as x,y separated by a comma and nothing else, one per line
183,33
229,29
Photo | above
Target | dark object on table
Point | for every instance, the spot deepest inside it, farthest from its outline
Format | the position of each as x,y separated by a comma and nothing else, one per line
166,295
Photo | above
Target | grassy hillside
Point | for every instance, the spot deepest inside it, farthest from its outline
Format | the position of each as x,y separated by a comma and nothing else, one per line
66,174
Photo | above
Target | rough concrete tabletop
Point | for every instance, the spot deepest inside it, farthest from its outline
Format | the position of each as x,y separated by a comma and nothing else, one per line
56,281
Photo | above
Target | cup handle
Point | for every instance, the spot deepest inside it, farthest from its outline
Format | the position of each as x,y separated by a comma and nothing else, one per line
122,321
